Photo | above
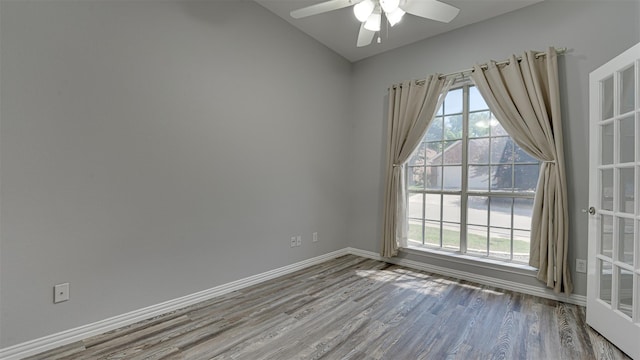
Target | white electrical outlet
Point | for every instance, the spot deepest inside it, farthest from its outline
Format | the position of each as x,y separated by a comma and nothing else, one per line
315,236
299,240
60,293
581,265
293,241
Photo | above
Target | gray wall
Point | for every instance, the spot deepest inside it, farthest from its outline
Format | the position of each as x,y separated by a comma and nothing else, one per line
151,150
593,31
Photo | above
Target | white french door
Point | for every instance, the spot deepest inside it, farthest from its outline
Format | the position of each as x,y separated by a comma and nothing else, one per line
613,293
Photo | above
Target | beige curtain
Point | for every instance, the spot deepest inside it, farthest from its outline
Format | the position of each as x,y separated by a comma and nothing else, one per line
524,96
412,106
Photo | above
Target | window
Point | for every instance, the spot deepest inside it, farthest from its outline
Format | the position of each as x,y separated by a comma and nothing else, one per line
470,187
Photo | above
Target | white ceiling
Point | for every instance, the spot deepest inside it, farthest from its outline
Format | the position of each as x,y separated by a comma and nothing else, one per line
338,29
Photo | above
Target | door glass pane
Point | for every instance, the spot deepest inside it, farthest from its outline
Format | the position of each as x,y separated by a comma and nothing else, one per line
607,144
606,235
607,98
627,139
627,190
625,240
625,291
605,281
627,90
606,190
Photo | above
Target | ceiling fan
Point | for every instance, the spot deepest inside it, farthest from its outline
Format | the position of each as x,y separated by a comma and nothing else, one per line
370,12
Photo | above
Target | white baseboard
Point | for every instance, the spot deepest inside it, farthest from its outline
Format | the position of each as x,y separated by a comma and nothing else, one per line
53,341
480,279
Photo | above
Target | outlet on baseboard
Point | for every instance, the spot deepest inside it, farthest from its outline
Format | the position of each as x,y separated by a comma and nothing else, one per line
581,265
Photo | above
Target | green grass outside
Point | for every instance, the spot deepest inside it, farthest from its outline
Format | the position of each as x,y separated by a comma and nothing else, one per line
451,239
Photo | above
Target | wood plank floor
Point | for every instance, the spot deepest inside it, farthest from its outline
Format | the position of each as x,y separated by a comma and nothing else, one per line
356,308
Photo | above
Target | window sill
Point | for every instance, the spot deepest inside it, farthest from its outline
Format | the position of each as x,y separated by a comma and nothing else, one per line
487,263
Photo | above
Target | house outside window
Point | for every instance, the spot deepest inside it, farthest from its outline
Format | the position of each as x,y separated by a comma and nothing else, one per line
470,187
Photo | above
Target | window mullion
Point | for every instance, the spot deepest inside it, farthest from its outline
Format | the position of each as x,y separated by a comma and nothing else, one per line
465,169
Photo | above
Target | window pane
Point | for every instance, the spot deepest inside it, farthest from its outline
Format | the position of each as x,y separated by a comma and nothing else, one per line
477,239
432,233
521,156
500,243
451,208
432,210
521,245
453,127
453,102
496,127
501,150
478,210
478,151
627,90
434,132
433,153
607,98
502,178
500,212
453,152
522,213
433,178
415,206
452,177
418,156
476,102
451,236
415,231
526,177
479,124
627,140
478,178
415,180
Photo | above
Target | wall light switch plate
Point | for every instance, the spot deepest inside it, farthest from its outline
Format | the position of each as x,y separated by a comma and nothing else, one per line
299,240
60,293
581,265
315,236
293,241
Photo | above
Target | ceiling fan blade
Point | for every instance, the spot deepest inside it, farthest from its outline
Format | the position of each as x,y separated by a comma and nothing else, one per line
365,37
430,9
322,8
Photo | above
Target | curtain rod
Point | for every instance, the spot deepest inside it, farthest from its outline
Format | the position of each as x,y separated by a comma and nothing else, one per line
559,51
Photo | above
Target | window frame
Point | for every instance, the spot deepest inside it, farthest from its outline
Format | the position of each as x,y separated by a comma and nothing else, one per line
465,193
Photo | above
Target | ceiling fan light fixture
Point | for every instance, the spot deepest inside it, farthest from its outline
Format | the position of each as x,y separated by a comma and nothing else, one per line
363,10
395,16
389,6
373,22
